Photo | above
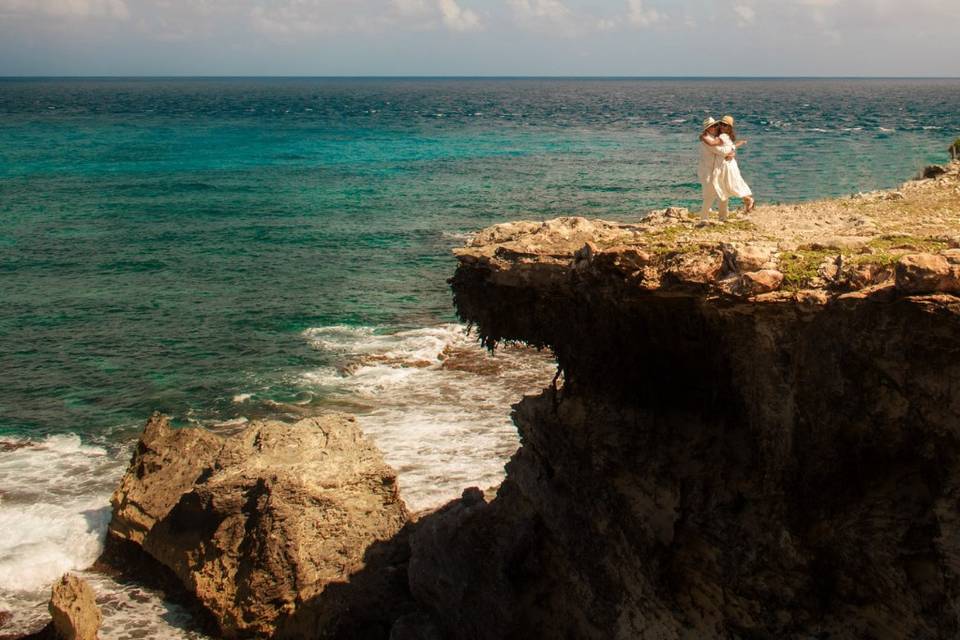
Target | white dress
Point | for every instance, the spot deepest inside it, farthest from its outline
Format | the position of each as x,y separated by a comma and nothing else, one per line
729,183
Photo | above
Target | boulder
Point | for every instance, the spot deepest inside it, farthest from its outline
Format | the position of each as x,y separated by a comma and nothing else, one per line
752,258
763,281
927,273
266,524
74,610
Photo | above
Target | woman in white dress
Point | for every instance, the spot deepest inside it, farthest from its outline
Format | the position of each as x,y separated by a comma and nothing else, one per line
729,182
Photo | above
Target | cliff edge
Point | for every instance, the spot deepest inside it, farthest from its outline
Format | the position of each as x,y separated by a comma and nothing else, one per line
756,432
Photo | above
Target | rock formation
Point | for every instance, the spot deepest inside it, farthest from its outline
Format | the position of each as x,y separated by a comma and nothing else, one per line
74,612
757,433
289,530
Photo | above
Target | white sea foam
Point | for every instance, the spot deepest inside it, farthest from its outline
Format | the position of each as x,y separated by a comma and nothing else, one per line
439,405
460,237
242,397
54,511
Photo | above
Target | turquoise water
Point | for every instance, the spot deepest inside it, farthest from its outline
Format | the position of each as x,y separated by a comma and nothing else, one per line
233,248
166,242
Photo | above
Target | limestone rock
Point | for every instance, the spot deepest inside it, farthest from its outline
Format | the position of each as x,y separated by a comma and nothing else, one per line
166,465
926,273
696,268
261,526
74,610
763,281
752,258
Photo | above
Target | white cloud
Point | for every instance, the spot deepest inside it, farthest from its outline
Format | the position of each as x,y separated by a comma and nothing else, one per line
458,18
640,16
116,9
292,17
541,9
746,15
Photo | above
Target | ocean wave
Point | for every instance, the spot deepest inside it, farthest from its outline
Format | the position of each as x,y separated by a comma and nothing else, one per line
438,404
54,513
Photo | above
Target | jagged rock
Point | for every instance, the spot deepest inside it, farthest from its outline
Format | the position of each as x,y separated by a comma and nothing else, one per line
751,257
696,268
932,171
281,528
861,275
926,273
74,610
763,281
166,465
828,268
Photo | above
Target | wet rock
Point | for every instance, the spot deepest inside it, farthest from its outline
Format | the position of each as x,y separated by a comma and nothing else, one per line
74,610
262,526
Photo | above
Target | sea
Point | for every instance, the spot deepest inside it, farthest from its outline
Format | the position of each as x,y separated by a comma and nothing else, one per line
230,249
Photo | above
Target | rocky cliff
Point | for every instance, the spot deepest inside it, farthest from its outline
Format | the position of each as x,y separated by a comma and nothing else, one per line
756,433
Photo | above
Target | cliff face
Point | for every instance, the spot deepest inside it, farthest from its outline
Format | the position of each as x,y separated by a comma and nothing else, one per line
755,434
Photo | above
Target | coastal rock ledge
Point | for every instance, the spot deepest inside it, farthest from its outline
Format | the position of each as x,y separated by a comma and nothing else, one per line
281,530
756,433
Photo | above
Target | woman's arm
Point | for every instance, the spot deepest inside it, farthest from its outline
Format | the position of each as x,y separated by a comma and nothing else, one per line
706,138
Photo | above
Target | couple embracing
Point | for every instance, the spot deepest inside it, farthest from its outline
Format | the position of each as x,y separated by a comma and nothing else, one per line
719,172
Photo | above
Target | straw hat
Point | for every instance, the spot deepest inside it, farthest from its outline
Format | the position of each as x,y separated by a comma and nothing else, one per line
728,120
709,122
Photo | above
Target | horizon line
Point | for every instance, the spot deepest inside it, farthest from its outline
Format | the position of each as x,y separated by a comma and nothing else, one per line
470,77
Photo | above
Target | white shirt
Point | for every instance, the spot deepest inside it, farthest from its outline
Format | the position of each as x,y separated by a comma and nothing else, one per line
711,159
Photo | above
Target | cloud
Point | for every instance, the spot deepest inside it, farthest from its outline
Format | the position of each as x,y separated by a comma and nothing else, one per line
640,16
746,15
557,18
116,9
292,17
458,18
541,9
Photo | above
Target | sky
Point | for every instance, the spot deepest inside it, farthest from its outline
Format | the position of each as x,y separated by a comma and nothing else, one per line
481,37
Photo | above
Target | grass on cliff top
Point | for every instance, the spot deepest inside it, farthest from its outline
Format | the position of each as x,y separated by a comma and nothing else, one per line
801,266
907,243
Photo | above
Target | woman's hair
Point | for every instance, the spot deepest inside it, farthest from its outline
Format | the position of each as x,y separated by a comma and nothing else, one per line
733,134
